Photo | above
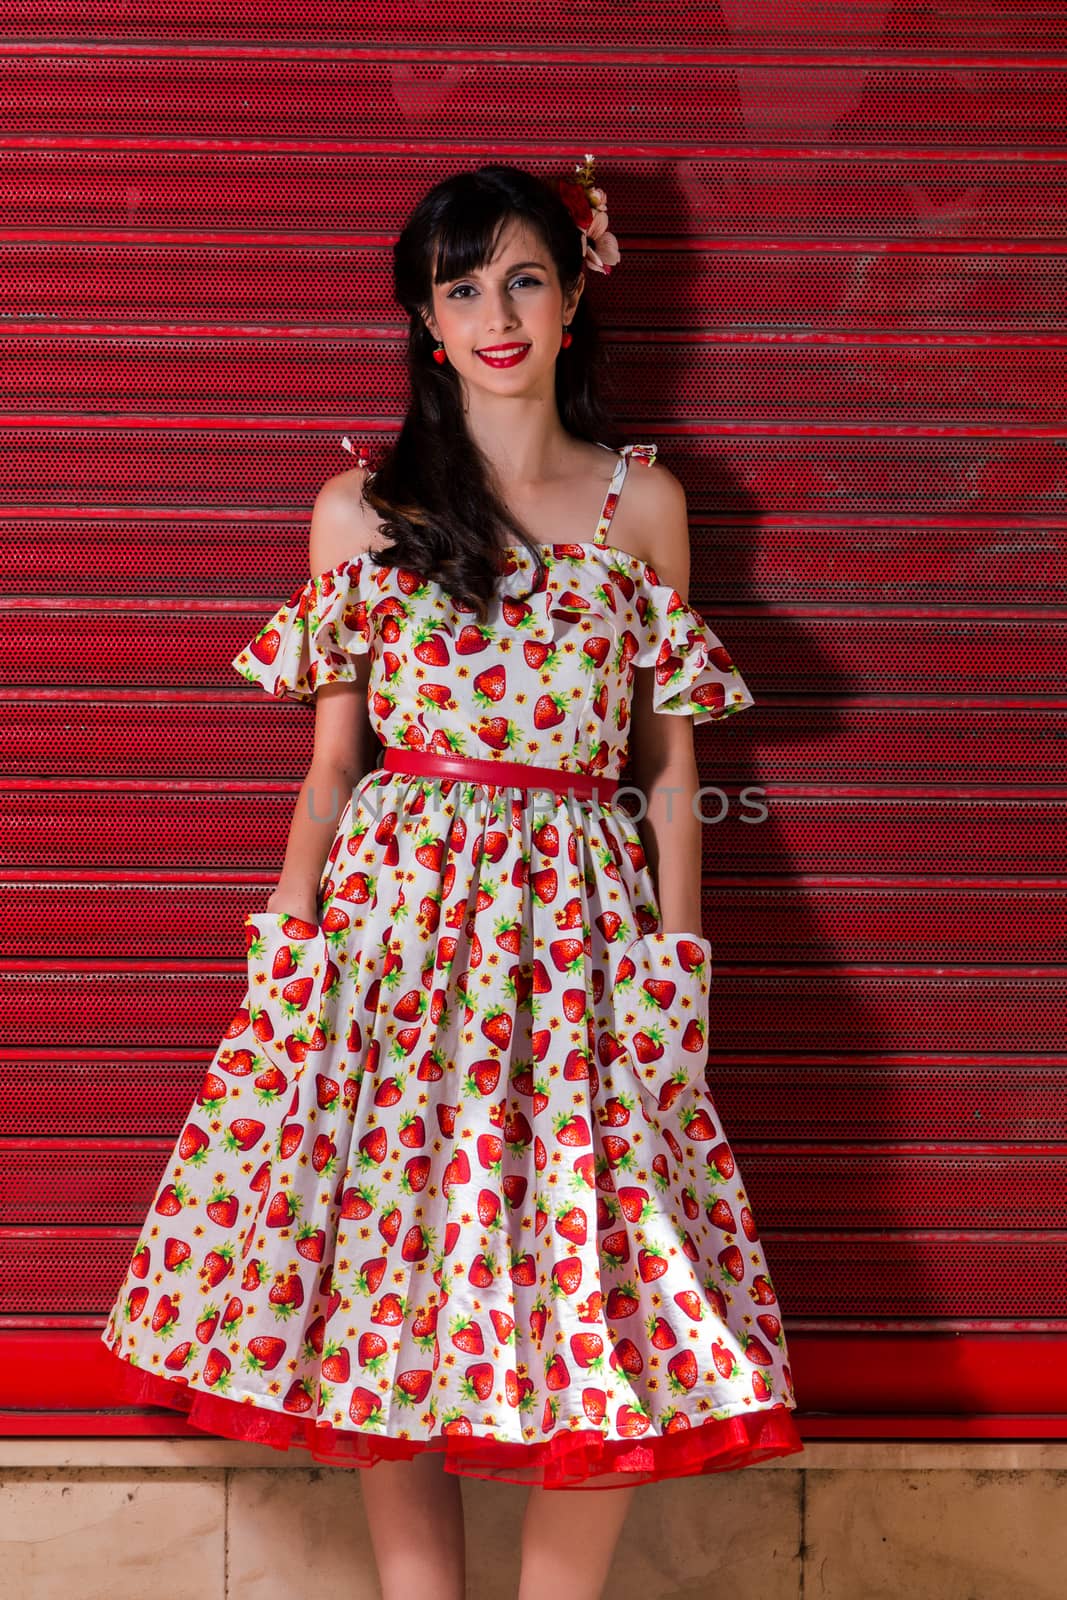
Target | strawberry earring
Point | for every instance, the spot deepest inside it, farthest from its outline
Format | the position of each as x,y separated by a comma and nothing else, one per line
439,354
568,337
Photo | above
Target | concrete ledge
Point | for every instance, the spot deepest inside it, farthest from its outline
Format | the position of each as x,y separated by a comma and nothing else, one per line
819,1455
212,1519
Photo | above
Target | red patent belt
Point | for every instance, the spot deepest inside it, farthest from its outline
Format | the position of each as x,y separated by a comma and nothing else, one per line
429,764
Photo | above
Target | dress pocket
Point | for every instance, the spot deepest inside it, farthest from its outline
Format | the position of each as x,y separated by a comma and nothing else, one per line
287,963
660,999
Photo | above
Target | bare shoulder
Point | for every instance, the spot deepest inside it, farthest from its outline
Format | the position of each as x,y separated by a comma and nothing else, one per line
656,488
342,524
652,521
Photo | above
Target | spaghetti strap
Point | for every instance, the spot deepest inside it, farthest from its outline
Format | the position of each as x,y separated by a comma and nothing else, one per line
642,452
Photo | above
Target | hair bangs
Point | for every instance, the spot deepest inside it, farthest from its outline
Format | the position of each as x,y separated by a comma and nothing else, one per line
469,235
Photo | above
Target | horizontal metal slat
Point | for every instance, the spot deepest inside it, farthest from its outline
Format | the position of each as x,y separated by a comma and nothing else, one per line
258,558
793,1189
809,1009
916,1097
252,737
50,1271
214,94
831,925
156,649
731,195
203,835
957,26
692,285
789,376
727,467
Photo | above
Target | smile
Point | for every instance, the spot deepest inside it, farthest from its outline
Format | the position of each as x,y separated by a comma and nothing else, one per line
507,356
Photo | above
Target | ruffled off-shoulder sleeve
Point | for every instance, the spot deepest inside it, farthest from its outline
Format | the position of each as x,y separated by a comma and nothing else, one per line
694,675
313,638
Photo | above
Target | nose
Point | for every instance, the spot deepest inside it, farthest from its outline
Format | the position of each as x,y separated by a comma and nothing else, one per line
502,316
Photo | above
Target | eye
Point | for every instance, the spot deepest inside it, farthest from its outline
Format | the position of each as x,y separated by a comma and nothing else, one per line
523,278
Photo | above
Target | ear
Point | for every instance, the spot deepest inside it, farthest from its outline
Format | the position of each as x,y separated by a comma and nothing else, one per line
571,303
429,320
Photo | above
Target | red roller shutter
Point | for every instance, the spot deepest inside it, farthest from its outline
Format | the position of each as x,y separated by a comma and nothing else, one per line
840,314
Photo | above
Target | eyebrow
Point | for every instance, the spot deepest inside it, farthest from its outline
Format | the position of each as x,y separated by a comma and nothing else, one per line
515,265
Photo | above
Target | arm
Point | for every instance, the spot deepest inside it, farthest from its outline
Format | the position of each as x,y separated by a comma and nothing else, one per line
341,527
662,754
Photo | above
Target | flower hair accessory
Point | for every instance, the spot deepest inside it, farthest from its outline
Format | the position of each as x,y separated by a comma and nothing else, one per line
588,206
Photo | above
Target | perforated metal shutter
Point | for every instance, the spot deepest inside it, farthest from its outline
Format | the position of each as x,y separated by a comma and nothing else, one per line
840,313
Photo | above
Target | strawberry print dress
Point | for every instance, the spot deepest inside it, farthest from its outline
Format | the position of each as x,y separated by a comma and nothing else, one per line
454,1179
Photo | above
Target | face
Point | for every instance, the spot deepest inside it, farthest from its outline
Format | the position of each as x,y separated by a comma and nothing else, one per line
515,300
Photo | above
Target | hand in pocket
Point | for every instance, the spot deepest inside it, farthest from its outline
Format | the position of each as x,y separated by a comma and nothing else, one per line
660,998
287,963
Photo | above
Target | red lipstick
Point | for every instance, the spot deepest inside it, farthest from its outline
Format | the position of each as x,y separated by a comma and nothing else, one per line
510,360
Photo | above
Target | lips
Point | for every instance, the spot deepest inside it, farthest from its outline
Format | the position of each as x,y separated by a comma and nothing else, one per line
503,355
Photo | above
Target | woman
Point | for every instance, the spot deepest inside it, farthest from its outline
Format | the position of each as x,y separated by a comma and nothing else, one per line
453,1199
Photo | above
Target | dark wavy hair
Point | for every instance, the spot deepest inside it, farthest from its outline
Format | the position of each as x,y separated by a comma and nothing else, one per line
432,487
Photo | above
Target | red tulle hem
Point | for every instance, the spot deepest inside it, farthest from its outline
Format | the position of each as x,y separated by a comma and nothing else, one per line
568,1460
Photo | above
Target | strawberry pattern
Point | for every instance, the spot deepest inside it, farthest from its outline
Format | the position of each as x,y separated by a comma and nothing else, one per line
454,1179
